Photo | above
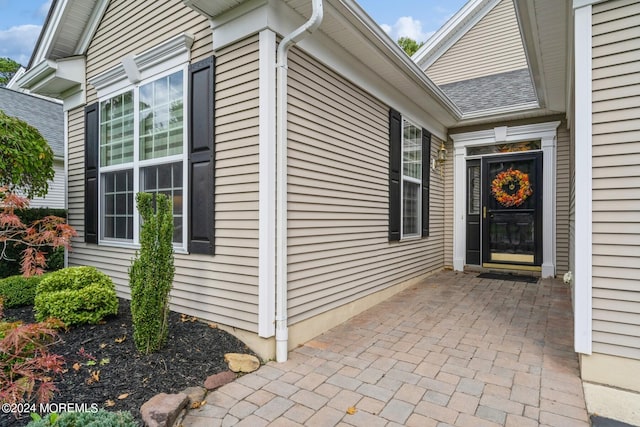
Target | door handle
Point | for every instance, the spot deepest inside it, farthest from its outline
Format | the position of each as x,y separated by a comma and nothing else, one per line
484,212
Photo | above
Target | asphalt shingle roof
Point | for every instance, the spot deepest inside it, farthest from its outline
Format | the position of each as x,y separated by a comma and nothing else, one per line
489,92
44,115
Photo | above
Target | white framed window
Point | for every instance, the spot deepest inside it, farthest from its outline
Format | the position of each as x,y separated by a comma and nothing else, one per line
142,148
411,180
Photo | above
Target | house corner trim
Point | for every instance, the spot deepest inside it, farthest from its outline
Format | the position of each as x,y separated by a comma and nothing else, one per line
583,274
267,185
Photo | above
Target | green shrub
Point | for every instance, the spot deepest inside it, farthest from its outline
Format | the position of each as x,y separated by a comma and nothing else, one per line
151,274
55,257
76,295
90,304
100,418
73,278
18,291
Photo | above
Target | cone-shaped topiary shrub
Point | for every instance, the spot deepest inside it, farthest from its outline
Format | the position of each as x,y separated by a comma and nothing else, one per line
151,274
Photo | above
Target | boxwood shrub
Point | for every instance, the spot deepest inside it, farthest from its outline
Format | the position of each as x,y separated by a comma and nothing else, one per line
17,291
76,295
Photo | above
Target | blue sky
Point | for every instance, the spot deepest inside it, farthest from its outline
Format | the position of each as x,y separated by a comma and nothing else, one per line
21,21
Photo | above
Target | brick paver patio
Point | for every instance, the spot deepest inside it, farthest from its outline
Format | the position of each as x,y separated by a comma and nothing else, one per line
453,350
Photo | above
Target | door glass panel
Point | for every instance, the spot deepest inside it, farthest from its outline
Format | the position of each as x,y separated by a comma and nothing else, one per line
473,185
510,147
511,210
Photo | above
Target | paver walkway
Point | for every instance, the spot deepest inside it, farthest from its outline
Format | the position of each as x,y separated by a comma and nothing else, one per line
453,350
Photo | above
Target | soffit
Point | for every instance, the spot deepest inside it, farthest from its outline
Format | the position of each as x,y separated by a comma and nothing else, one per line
546,26
77,16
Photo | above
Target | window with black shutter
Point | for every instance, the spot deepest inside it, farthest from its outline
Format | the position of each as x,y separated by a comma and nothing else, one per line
156,136
409,178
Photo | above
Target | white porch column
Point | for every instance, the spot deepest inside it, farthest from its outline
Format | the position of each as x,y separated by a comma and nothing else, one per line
583,268
459,209
549,204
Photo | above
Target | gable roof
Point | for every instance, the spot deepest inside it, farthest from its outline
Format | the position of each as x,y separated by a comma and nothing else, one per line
59,54
44,115
57,65
535,30
508,89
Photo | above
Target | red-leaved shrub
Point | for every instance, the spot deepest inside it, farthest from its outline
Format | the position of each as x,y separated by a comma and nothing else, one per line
27,369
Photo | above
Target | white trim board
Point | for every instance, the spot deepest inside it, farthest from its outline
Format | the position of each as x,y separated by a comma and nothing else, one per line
547,133
267,185
583,272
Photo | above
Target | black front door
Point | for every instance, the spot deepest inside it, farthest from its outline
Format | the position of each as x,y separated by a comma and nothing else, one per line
512,210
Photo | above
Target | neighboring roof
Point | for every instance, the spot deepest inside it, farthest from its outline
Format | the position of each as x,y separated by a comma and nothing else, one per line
44,115
492,92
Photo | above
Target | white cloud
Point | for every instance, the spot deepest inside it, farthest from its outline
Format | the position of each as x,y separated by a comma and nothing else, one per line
406,26
43,10
18,42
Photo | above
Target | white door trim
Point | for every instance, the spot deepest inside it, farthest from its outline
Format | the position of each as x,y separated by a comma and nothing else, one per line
547,134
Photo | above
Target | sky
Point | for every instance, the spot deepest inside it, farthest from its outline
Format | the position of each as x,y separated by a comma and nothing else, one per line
21,21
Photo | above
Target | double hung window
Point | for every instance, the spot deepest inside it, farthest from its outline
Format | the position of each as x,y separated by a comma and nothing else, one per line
142,149
411,179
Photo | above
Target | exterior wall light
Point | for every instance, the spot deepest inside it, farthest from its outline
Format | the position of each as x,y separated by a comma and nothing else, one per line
438,163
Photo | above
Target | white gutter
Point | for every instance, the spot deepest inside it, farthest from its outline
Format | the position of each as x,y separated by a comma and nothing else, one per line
282,332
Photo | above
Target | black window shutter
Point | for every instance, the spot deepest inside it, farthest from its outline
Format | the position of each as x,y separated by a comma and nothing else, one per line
201,156
426,174
395,163
91,173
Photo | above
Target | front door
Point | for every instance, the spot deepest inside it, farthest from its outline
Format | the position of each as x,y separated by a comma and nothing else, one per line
511,219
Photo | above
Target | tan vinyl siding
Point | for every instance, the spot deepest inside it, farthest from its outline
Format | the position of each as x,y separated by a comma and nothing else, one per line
492,46
222,288
616,178
563,171
338,196
55,194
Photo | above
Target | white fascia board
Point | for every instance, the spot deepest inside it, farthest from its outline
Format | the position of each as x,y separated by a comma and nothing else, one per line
255,16
41,71
525,15
452,31
512,134
396,54
90,29
501,111
50,32
583,274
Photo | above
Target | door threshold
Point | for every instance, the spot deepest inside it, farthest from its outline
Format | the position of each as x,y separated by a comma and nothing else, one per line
512,267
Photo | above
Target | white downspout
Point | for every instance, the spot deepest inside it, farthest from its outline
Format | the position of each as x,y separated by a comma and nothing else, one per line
282,332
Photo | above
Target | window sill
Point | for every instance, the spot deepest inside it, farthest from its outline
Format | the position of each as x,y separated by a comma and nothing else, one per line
410,238
136,247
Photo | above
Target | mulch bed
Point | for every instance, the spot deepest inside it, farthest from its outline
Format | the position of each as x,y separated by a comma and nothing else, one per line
127,379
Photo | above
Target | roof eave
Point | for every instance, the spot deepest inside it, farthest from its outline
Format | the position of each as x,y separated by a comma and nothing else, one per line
55,79
449,113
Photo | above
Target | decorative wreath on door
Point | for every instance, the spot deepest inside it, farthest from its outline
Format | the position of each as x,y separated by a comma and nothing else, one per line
517,185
